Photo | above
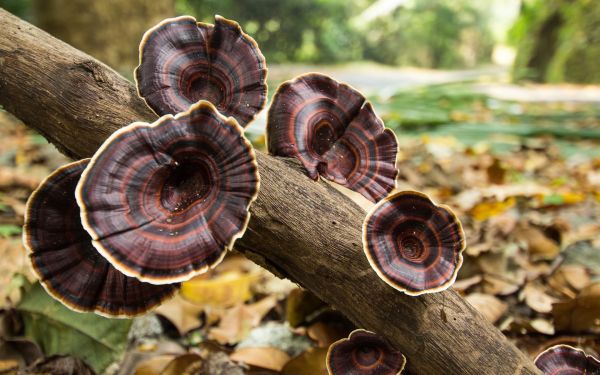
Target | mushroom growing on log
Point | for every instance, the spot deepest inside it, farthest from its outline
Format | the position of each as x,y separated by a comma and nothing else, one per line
165,201
183,61
413,244
300,229
67,264
364,353
566,360
335,133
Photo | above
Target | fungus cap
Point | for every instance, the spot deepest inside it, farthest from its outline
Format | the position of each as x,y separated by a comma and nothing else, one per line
413,244
364,353
183,61
335,133
68,266
164,201
566,360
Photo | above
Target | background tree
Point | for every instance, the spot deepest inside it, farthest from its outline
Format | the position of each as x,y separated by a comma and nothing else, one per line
557,41
119,25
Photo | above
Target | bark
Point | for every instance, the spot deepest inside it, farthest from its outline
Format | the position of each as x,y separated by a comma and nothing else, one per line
300,229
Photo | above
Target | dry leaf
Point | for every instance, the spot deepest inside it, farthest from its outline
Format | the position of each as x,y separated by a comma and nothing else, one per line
326,334
183,314
569,279
539,246
501,286
485,210
267,358
237,321
536,298
180,364
223,290
311,362
154,365
542,326
581,313
462,285
489,306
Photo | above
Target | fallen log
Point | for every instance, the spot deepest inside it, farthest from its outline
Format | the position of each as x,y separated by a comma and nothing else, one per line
300,229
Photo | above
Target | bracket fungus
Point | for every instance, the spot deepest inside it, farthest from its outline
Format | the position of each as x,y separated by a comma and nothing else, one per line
183,61
335,133
164,201
413,244
65,261
364,353
566,360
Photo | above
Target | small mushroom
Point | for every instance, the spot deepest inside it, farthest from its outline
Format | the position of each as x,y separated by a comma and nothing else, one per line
335,133
67,264
364,353
566,360
413,244
164,201
183,61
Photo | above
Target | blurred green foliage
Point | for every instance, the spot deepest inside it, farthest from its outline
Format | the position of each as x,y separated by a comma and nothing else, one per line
425,33
21,8
433,34
299,31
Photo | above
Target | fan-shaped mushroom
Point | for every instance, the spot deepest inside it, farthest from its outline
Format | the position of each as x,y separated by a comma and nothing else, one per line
183,61
65,261
566,360
413,244
164,201
330,128
364,353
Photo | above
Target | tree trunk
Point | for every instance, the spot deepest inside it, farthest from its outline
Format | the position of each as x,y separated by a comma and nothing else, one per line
559,41
117,25
299,229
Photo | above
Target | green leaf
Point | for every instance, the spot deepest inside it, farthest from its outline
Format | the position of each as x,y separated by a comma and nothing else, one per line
97,340
9,230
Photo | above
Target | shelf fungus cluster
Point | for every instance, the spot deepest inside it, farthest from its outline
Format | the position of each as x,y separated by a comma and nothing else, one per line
566,360
414,245
160,203
157,203
364,353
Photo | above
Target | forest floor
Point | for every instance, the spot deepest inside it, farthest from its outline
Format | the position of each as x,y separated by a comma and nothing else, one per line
522,175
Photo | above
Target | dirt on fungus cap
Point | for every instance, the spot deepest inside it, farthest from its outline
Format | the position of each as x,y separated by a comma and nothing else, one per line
164,201
564,359
67,264
364,353
335,133
413,244
183,61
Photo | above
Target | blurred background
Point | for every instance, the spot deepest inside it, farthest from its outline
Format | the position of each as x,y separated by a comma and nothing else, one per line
496,104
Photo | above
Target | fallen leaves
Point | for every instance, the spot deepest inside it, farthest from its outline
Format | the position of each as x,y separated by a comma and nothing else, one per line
237,321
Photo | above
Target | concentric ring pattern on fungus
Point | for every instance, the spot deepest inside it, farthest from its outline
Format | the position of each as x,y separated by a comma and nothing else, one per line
364,353
183,61
164,201
335,133
566,360
67,264
413,244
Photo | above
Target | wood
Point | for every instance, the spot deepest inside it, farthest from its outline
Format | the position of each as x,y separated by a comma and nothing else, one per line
303,230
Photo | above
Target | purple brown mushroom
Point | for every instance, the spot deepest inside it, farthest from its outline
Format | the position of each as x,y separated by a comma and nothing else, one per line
413,244
164,201
566,360
183,61
364,353
335,133
67,264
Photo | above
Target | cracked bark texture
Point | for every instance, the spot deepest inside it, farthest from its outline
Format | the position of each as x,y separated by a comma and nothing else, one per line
299,229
